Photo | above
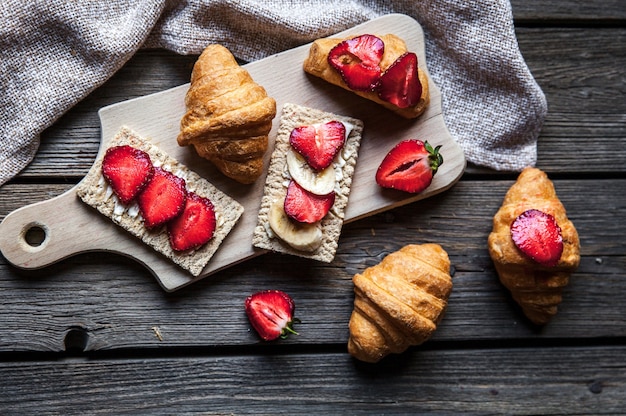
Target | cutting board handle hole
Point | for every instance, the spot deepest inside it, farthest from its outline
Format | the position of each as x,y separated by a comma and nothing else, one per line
35,236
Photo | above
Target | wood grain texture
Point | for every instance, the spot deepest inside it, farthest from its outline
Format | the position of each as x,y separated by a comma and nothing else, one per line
157,117
577,68
98,293
534,11
546,381
82,336
580,71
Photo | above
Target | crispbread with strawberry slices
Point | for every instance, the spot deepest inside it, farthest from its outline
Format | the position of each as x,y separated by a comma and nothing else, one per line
95,191
278,177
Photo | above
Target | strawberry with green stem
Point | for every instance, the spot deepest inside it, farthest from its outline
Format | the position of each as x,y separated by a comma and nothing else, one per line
271,314
410,166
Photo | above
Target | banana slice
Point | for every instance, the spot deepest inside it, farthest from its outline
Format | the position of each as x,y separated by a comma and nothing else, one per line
303,237
319,183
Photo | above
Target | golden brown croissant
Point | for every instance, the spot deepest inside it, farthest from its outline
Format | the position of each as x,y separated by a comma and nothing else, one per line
536,287
317,64
228,116
399,302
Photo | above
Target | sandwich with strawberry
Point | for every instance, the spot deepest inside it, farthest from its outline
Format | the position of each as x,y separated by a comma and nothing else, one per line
308,183
159,200
379,68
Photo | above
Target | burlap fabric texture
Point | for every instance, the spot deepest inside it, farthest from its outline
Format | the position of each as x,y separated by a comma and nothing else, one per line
54,53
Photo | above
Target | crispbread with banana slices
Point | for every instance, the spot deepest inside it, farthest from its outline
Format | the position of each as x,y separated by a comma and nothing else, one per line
94,191
321,243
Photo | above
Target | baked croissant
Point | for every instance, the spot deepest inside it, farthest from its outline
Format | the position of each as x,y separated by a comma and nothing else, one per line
316,63
536,287
228,116
399,302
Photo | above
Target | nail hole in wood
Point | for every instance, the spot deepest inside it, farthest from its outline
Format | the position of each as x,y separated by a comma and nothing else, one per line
595,387
76,340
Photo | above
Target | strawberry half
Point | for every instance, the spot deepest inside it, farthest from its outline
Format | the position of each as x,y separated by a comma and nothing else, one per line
128,170
270,313
319,143
409,166
358,61
538,236
194,226
162,199
400,84
304,206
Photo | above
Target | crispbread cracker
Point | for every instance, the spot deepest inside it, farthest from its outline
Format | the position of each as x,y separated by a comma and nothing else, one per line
293,116
95,191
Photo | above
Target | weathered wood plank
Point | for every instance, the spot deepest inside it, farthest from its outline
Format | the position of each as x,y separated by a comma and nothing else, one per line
69,147
581,73
116,303
547,381
13,196
149,352
535,11
579,69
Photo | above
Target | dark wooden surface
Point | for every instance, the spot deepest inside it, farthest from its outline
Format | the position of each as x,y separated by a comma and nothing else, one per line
96,334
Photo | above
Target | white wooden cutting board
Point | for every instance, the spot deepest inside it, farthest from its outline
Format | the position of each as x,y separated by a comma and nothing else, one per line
72,227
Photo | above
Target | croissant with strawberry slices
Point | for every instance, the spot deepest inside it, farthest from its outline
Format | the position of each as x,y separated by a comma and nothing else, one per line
228,117
534,246
399,302
376,67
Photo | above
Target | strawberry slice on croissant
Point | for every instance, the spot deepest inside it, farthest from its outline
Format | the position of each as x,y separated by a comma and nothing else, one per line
379,68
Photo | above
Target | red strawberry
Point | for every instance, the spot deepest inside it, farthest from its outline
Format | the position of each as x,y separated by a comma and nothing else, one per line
194,226
162,199
271,314
409,166
128,170
358,61
400,84
304,206
538,236
319,143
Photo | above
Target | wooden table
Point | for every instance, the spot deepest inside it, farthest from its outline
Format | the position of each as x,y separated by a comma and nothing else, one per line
96,333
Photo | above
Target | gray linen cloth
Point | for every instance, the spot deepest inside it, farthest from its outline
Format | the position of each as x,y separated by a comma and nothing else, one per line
54,53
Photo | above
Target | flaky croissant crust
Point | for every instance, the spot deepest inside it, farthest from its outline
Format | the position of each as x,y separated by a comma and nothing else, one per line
536,288
399,302
228,116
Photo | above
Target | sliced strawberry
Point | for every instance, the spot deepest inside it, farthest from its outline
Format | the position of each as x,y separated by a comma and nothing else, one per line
319,143
271,314
538,236
195,226
162,199
304,206
358,61
128,170
400,84
409,166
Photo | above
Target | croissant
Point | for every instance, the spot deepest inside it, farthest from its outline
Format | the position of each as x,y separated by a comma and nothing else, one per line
399,302
536,287
316,63
228,116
